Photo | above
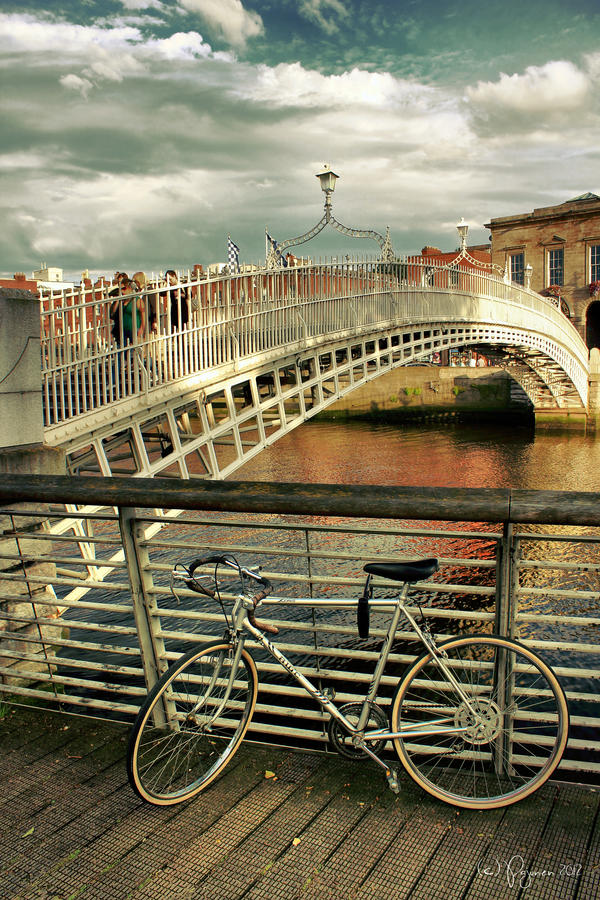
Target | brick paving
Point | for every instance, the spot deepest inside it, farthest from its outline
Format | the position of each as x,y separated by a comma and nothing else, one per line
324,828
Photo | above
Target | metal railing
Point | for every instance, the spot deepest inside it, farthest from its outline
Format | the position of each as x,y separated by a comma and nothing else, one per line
90,635
209,325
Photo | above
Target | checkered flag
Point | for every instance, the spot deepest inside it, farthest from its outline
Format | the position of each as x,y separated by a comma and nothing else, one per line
273,245
233,255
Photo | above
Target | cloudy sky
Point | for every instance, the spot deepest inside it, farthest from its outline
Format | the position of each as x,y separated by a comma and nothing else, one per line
136,134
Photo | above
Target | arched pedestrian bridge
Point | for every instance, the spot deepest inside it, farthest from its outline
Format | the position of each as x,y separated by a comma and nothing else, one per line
265,349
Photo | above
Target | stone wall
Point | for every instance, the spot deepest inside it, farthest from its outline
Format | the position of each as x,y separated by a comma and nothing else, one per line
432,391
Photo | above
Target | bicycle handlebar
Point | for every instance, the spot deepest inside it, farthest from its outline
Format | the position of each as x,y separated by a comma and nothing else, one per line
265,585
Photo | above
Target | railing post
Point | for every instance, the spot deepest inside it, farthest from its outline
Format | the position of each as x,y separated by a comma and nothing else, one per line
152,648
506,609
506,575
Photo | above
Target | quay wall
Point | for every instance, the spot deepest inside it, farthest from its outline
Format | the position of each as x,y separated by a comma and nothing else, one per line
433,391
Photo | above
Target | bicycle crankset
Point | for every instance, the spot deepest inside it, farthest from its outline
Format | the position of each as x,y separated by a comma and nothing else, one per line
342,741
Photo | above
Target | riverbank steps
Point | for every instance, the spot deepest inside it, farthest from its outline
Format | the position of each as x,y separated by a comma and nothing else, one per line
278,825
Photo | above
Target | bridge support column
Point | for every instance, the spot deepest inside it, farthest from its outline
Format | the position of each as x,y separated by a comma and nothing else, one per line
594,389
22,452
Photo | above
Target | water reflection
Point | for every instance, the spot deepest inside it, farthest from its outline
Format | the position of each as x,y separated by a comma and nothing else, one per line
447,455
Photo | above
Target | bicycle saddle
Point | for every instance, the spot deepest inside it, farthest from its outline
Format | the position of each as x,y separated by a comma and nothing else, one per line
408,571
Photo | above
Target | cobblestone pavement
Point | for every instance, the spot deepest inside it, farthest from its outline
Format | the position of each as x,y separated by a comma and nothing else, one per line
323,828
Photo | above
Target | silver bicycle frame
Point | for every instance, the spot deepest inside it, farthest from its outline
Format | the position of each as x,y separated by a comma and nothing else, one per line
242,627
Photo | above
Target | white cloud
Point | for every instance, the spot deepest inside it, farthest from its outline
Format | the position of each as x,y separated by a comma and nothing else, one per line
110,52
144,4
556,86
290,84
228,17
21,32
182,46
74,83
317,10
22,160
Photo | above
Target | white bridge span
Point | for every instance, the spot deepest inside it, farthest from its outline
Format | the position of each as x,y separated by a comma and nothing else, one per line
265,350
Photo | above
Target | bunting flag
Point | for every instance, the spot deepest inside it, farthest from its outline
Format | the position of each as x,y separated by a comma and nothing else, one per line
233,255
273,245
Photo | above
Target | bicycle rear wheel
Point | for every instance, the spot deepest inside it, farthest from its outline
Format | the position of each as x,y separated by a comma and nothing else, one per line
191,724
509,716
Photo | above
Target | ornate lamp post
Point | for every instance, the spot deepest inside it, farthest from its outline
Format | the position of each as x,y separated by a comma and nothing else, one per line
327,179
463,229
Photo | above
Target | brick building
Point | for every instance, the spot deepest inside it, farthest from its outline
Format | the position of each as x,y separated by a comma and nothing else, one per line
561,244
20,282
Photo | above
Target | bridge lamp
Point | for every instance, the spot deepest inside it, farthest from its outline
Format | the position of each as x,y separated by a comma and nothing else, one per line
463,229
327,179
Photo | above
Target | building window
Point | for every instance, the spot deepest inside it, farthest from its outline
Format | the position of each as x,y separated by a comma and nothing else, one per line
595,262
517,268
556,266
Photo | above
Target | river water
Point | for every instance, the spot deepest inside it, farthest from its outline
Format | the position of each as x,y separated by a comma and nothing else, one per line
442,455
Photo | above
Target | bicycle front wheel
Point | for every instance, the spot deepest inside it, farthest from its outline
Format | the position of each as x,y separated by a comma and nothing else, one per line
486,732
191,724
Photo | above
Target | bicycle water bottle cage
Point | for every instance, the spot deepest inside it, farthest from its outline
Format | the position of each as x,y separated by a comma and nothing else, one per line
362,610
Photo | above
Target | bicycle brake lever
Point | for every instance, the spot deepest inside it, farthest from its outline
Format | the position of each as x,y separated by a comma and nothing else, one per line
262,626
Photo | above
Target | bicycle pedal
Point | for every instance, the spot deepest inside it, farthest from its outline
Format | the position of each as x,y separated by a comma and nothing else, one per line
392,780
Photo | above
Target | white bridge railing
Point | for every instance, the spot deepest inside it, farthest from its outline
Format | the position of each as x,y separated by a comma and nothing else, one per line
89,361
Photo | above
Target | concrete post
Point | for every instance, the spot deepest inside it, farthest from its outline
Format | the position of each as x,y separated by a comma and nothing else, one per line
20,376
27,606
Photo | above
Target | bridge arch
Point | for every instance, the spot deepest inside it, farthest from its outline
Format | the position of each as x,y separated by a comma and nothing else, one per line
212,432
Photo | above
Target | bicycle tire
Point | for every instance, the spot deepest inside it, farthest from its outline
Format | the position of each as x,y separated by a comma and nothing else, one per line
522,731
176,748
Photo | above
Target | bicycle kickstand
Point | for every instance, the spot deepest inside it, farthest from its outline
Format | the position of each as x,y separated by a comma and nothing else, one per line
392,779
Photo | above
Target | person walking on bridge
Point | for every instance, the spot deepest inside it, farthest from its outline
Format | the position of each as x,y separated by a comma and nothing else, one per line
178,302
126,307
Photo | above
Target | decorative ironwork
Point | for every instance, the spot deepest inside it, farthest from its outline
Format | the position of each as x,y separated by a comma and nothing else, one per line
328,178
463,253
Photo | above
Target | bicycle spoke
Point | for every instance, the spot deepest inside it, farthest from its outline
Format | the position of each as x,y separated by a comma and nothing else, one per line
191,724
513,711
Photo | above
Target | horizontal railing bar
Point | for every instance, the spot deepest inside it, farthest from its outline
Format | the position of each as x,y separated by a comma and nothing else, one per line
69,698
68,582
52,512
83,561
44,600
538,564
562,619
67,538
371,501
559,538
309,526
562,645
66,680
79,645
70,623
556,592
469,562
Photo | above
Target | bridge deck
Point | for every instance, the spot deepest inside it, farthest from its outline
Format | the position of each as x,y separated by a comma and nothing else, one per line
322,828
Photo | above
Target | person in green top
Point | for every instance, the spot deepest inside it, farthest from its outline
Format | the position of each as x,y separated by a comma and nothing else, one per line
122,311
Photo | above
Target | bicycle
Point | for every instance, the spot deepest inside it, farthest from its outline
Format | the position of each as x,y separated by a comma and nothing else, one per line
478,721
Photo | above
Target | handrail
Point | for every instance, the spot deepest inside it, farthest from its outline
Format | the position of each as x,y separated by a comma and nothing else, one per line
373,501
